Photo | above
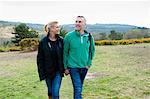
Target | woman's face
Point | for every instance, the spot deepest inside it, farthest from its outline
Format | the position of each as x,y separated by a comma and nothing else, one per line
55,29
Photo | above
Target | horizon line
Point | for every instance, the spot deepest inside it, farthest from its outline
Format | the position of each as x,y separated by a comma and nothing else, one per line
73,23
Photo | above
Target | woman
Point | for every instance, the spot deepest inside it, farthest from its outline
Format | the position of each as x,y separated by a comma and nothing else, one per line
50,59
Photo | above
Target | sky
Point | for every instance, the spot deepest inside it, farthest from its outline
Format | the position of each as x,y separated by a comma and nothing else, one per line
132,12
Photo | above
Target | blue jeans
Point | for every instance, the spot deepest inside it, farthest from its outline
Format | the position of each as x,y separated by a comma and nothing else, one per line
53,85
77,77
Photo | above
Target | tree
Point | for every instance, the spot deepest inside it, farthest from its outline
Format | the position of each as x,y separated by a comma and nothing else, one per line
137,34
23,31
115,36
103,36
63,32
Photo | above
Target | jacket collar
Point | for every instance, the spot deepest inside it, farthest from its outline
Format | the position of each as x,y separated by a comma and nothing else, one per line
58,37
85,33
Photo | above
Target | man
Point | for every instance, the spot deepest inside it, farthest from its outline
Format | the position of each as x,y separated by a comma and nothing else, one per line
79,51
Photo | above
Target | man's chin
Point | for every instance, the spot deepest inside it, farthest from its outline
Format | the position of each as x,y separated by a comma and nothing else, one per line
77,29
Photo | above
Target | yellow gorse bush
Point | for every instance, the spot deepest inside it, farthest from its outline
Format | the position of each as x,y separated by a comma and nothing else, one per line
122,42
29,44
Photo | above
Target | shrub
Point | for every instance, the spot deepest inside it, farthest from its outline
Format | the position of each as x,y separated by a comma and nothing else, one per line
122,42
146,40
23,31
29,44
2,49
15,48
12,48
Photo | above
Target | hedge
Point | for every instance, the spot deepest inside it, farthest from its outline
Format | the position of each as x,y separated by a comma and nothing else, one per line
122,42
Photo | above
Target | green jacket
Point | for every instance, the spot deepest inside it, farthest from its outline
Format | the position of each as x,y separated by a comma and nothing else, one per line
76,50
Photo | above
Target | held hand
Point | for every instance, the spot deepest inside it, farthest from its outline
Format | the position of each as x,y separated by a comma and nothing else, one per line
87,67
66,71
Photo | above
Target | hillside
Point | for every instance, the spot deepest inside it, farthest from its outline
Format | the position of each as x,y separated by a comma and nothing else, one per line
93,28
6,28
103,28
5,31
38,27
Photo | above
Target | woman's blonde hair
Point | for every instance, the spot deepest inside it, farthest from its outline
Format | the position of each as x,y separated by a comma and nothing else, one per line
48,26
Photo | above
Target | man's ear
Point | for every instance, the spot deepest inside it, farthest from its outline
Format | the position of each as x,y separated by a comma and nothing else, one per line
85,22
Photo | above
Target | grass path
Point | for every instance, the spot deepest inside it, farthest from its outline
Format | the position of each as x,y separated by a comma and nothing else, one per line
120,72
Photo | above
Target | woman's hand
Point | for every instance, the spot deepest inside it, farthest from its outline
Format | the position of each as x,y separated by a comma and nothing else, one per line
66,71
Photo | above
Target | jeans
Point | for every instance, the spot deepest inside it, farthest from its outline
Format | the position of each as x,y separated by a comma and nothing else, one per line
77,77
53,85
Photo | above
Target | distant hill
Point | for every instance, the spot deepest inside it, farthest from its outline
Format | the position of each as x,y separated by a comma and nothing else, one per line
6,28
93,28
103,28
38,27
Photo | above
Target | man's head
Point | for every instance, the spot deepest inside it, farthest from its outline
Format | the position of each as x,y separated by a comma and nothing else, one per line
80,23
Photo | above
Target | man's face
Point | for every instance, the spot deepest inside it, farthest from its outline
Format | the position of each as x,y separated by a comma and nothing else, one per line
80,23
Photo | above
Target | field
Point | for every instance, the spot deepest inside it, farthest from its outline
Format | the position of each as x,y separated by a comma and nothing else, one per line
118,72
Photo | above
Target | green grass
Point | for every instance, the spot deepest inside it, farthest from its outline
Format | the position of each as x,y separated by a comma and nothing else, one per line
123,72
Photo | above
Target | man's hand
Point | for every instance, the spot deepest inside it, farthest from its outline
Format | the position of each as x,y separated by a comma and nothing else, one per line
66,71
87,67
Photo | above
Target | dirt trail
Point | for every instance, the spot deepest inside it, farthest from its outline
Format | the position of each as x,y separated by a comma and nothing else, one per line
4,56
